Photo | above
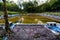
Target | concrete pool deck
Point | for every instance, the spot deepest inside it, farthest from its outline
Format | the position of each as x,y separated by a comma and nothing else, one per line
27,32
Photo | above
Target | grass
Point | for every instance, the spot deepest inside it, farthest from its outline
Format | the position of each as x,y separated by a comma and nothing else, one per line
9,12
1,38
53,13
1,13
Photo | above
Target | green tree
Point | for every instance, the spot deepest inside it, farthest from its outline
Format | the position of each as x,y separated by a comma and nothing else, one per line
35,3
12,7
1,6
56,5
30,6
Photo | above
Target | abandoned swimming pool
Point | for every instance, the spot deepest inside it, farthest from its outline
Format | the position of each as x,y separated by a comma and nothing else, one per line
54,27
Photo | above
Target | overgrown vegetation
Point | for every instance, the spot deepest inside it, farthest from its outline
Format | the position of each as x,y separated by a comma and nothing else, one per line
31,19
10,7
13,19
33,7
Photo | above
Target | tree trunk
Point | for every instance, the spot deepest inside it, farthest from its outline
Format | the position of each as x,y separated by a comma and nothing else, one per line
7,28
